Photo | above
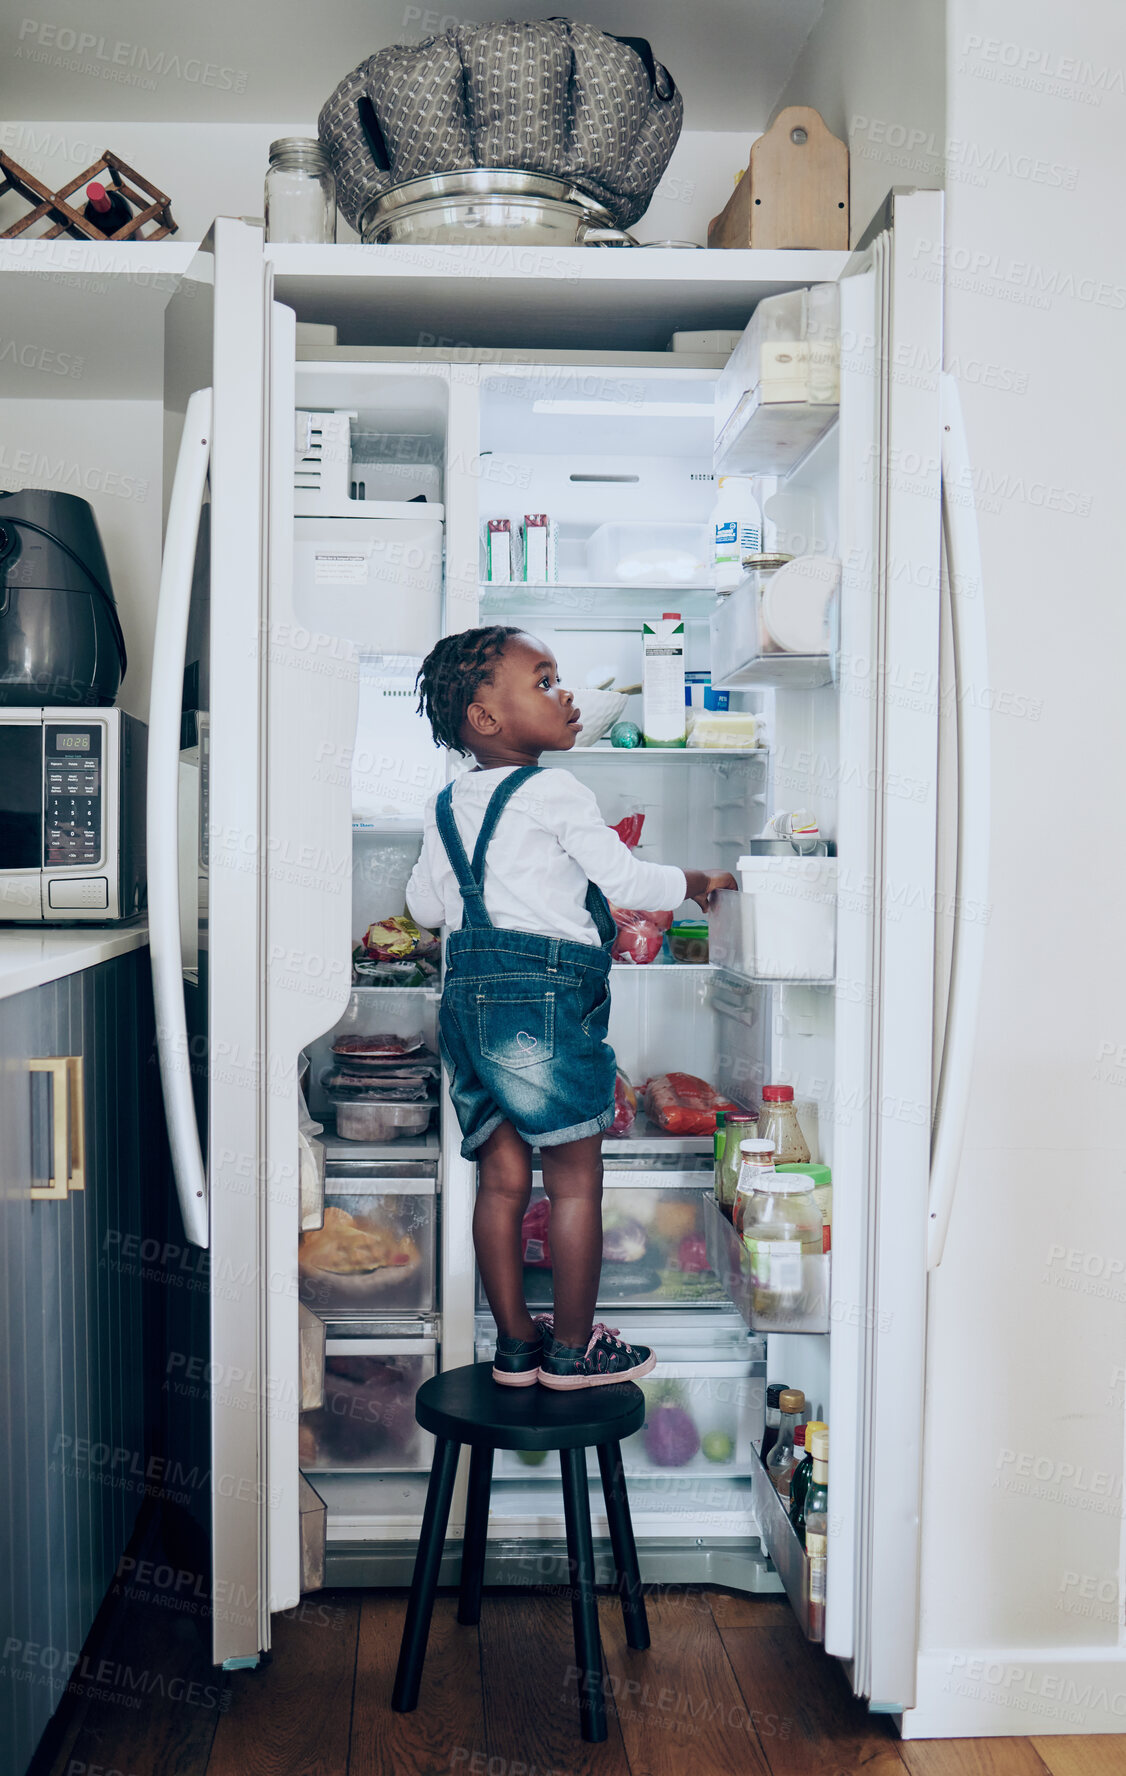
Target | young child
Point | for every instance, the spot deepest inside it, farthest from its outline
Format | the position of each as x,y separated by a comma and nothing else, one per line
518,863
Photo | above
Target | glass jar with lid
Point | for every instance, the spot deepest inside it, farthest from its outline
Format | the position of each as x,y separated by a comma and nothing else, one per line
300,192
778,1122
739,1127
756,1161
759,570
781,1228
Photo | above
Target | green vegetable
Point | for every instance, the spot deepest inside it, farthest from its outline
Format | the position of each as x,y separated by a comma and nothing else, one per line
718,1446
532,1458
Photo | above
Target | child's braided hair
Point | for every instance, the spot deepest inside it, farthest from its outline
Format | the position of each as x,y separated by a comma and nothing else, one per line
452,674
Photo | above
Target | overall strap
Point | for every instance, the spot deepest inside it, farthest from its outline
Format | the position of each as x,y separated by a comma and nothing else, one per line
599,909
470,878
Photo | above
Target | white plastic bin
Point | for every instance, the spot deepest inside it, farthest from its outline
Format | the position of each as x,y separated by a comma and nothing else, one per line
376,580
783,923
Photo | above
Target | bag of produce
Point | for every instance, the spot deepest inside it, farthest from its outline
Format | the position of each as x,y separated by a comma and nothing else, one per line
625,1105
533,1234
681,1104
640,935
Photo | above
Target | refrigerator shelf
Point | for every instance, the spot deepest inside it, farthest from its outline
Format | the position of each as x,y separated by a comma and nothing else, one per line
593,603
419,1147
790,1559
780,672
729,1260
771,437
712,753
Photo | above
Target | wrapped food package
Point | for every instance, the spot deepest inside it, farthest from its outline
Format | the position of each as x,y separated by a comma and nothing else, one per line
625,1106
681,1104
641,935
533,1234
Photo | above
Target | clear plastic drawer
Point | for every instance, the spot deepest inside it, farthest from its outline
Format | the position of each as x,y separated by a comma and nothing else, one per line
654,1251
367,1420
376,1252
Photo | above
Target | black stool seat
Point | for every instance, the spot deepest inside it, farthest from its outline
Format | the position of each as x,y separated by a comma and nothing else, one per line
468,1406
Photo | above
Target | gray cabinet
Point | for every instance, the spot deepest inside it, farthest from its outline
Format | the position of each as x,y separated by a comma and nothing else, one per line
74,1413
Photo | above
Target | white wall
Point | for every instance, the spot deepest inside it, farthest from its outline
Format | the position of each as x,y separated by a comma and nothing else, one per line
875,70
1028,1312
218,169
109,453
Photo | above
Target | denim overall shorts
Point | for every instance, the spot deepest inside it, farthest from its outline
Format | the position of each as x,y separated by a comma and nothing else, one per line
523,1020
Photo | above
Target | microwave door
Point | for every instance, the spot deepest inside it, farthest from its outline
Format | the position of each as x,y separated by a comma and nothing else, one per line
21,817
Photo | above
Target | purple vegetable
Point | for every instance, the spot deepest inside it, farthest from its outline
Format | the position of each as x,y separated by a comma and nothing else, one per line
671,1437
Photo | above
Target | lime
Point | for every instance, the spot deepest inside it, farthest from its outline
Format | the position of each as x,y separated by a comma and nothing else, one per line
718,1446
532,1458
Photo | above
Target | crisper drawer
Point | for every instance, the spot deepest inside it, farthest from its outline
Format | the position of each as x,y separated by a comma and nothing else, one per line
806,1312
367,1422
654,1249
376,1251
701,1419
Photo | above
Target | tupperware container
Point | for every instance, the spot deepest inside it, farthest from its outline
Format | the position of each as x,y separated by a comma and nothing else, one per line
672,554
367,1119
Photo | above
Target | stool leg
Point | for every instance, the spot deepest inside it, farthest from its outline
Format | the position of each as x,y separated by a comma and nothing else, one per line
627,1573
584,1610
476,1534
420,1606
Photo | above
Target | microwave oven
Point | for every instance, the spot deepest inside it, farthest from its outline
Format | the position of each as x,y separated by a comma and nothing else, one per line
72,815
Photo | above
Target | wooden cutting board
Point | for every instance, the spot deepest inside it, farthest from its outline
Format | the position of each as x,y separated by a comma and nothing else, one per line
794,192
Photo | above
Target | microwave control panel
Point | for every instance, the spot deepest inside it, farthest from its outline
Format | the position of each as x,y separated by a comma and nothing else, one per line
73,769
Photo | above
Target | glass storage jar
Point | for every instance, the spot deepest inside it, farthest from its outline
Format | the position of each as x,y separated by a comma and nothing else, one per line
781,1228
756,1161
300,192
778,1122
738,1128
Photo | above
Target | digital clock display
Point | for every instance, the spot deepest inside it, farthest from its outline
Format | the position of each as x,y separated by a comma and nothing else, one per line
72,742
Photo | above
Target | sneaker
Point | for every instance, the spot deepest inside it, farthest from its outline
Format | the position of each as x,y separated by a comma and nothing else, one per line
607,1358
516,1363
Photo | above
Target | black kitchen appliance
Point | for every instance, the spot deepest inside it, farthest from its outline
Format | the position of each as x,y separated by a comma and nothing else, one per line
60,637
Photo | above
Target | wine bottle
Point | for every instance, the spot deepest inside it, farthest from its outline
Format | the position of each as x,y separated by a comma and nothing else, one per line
107,210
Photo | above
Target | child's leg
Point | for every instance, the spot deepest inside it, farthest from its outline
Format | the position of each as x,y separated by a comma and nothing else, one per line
572,1178
503,1191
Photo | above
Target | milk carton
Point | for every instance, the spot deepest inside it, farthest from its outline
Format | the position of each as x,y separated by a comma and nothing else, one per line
662,721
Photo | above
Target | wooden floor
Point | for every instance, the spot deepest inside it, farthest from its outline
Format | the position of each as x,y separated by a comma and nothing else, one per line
728,1688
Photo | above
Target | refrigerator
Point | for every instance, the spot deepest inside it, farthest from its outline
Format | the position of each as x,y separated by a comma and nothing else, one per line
288,773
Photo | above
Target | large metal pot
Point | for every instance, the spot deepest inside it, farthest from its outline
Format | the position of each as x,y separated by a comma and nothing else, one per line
489,206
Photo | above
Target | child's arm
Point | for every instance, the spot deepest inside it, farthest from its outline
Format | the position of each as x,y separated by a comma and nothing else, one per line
571,812
424,903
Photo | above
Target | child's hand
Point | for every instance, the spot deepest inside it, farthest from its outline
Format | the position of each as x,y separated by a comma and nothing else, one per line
702,884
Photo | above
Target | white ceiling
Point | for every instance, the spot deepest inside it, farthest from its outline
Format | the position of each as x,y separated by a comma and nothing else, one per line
163,60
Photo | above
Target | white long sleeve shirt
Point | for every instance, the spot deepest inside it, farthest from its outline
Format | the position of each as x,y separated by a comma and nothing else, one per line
550,842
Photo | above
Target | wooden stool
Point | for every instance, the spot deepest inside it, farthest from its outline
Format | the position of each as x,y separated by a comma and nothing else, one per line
468,1406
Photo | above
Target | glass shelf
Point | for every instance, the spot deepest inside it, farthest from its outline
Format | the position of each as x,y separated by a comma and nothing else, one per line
595,603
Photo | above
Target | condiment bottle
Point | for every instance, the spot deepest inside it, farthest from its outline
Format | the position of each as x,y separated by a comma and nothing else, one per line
778,1122
800,1478
781,1226
741,1126
756,1172
774,1391
817,1528
780,1461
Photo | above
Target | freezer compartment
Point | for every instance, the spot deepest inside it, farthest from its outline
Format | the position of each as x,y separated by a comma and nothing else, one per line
654,1251
731,1263
781,1542
407,1014
377,1250
367,1422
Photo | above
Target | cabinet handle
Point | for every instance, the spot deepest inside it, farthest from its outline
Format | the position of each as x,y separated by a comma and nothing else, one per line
68,1127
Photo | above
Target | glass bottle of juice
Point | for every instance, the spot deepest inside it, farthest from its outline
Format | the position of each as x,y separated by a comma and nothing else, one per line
756,1172
741,1126
780,1461
817,1530
799,1482
781,1225
778,1122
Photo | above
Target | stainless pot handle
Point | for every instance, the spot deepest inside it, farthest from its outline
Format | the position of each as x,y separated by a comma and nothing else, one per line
588,236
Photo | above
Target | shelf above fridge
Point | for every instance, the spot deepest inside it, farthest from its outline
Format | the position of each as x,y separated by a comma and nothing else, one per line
730,1260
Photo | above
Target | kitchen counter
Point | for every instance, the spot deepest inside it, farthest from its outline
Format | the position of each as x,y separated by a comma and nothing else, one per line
33,954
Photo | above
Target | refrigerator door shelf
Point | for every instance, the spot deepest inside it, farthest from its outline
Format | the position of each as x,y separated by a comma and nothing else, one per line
314,1532
311,1331
791,1561
771,437
367,1421
376,1252
729,1260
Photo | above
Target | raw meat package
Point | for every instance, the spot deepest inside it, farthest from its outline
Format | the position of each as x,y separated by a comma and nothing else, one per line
625,1106
681,1104
640,936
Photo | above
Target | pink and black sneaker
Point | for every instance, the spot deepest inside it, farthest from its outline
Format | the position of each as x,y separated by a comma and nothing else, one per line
606,1359
517,1361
